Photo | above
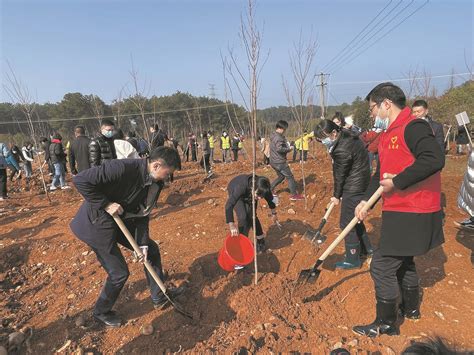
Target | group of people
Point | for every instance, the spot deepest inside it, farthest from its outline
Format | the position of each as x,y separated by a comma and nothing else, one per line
11,157
405,144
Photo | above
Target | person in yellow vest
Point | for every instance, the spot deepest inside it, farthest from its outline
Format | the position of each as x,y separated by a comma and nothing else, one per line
297,146
225,146
212,141
307,137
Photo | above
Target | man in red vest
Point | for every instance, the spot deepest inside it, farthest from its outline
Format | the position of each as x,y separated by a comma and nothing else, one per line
410,162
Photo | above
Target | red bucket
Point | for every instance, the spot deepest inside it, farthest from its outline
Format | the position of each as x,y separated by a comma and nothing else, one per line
237,251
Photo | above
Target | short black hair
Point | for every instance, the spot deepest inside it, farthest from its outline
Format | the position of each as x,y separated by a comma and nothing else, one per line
324,128
421,103
80,129
282,124
57,136
204,135
435,346
27,143
119,134
106,122
340,117
387,91
167,155
263,188
132,134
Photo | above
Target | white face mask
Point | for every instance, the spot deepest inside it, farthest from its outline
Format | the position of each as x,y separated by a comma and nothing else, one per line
382,121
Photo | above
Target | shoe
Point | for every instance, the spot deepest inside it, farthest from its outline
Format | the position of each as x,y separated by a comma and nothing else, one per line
384,323
296,197
352,258
468,224
209,174
3,198
163,302
53,188
65,187
109,319
261,246
410,305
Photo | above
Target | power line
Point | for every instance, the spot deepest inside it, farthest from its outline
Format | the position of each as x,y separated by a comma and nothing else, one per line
328,65
382,24
113,116
382,36
398,80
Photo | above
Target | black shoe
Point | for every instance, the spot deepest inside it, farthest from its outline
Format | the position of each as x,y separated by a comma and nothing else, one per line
110,319
260,246
163,302
410,306
384,323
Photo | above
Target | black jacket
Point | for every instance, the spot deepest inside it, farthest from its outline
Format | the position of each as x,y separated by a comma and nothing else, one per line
437,131
123,181
16,152
79,154
56,153
45,145
240,188
158,139
351,171
101,149
235,143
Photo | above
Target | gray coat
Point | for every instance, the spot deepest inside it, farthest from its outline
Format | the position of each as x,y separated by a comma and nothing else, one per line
466,193
279,147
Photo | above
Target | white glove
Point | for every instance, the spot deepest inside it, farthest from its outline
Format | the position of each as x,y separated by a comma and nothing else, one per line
144,256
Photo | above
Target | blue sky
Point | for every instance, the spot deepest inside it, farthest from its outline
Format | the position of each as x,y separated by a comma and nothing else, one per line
68,46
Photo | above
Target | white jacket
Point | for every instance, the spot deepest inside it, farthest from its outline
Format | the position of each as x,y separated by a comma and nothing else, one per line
125,150
466,193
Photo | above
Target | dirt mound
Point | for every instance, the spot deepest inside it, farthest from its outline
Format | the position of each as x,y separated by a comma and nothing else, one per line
49,280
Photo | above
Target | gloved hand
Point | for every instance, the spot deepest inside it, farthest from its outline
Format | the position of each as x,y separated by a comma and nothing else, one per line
144,257
234,231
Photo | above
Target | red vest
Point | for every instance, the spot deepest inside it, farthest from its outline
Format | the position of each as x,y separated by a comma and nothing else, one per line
395,157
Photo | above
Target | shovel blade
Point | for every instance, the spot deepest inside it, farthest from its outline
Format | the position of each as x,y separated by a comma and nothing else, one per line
308,276
312,235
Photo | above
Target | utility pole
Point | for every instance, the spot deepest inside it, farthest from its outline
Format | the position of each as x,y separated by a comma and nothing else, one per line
322,98
212,90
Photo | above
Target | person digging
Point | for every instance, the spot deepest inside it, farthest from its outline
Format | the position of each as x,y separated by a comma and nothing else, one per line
351,175
240,200
129,188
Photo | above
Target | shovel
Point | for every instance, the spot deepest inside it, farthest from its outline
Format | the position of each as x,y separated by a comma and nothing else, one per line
315,236
311,275
148,266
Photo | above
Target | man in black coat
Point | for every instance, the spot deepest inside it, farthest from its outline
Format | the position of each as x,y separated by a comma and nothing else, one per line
102,147
420,110
240,200
129,188
79,151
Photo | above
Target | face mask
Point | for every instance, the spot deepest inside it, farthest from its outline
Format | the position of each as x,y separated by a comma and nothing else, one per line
380,123
328,142
107,134
383,121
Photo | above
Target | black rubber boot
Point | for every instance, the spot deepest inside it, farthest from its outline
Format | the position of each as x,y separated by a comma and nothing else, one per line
384,323
366,249
352,258
410,305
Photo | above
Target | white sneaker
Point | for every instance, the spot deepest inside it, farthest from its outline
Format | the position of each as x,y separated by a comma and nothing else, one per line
53,188
65,187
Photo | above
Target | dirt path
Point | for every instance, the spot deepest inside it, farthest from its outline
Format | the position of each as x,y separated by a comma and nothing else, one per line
49,280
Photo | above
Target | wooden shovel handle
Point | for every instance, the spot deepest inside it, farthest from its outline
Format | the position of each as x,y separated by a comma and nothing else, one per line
352,224
328,211
138,251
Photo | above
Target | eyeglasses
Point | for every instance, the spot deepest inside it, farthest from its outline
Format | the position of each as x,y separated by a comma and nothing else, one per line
371,107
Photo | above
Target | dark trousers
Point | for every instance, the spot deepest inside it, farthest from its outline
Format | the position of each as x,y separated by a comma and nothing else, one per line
295,151
3,183
13,171
193,154
116,267
266,160
244,217
284,172
236,154
205,159
348,204
391,272
305,155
